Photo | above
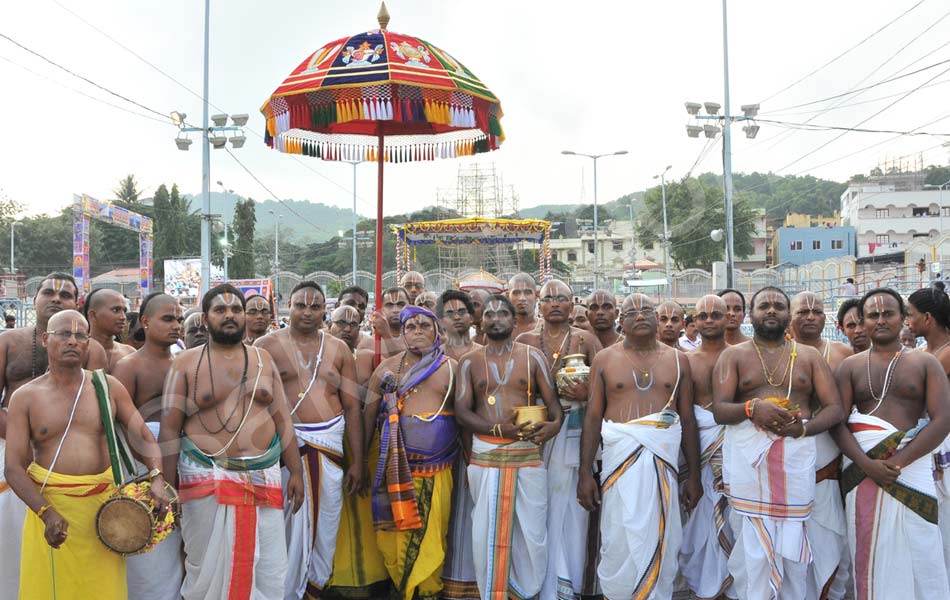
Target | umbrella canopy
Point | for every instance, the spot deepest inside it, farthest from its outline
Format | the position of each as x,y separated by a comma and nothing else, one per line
426,104
385,97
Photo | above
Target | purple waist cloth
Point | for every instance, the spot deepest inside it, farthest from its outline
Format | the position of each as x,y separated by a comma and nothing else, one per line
430,445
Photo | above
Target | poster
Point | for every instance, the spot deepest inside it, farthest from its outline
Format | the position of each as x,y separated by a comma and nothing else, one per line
183,277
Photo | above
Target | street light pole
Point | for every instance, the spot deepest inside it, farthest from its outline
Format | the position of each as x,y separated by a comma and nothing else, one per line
666,227
354,163
277,218
727,152
226,251
205,167
13,225
594,157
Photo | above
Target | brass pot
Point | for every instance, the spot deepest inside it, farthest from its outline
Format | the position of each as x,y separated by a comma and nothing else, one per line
531,415
574,370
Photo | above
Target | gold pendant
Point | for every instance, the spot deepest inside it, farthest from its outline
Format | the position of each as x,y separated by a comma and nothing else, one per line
300,395
556,355
646,375
491,401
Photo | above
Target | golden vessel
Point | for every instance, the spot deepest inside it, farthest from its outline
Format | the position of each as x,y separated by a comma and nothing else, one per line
574,370
532,414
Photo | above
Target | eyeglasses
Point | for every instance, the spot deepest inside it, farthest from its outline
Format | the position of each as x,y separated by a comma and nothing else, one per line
646,313
347,324
560,298
65,335
451,314
715,316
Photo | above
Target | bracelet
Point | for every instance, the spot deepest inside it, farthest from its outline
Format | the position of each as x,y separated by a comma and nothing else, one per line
495,430
43,510
748,412
804,431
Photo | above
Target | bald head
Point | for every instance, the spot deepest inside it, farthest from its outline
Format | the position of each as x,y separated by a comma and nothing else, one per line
808,316
414,283
710,317
671,320
346,313
345,325
555,287
479,298
68,320
103,297
522,291
156,303
521,280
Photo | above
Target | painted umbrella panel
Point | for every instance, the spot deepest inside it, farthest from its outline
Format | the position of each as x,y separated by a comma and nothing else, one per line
339,101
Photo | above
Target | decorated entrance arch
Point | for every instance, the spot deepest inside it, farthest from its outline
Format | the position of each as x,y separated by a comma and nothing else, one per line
86,208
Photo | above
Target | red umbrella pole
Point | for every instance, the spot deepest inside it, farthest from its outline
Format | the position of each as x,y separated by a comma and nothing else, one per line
380,160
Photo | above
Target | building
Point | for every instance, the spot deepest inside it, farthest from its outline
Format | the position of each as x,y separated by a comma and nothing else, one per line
760,245
803,245
891,216
800,220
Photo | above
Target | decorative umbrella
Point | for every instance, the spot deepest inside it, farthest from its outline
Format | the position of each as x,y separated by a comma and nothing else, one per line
385,97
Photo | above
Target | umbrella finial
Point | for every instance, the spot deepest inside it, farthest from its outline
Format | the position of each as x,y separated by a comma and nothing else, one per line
383,16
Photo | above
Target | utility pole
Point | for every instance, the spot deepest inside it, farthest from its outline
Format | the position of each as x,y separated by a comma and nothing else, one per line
666,226
594,157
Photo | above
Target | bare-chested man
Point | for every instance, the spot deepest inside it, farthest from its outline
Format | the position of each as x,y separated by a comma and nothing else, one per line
641,407
410,402
105,310
506,472
225,425
567,521
602,313
385,323
196,331
774,395
735,315
23,359
345,325
808,324
522,291
414,284
58,463
479,298
358,298
259,318
850,324
707,536
928,316
827,536
319,376
671,318
455,310
143,374
891,504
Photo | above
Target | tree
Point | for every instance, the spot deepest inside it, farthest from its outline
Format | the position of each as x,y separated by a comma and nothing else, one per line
937,175
128,190
177,233
45,243
694,208
241,263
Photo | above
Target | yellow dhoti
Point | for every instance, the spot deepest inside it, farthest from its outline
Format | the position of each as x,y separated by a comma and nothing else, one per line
82,567
358,569
414,558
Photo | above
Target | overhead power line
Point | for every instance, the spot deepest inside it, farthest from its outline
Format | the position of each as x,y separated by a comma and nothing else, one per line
843,54
82,77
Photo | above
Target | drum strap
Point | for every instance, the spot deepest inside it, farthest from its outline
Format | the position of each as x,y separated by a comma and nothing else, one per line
119,454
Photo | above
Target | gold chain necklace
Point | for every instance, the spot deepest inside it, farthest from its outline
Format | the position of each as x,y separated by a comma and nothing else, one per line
770,375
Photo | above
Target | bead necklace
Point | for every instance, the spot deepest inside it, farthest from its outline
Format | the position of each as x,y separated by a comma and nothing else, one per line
241,392
888,378
33,369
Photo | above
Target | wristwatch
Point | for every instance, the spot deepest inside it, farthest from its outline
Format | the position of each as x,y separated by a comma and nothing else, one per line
154,473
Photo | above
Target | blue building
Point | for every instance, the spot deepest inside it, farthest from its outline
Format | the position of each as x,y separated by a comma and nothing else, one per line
803,245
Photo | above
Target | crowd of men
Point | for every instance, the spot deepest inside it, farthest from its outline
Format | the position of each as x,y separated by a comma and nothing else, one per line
324,461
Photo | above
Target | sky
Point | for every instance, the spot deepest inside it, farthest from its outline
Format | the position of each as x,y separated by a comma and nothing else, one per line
592,77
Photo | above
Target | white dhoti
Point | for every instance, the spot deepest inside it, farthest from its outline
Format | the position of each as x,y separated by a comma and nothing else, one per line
707,536
509,491
827,533
942,481
571,556
232,526
640,524
12,515
896,546
311,531
771,485
165,559
458,574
